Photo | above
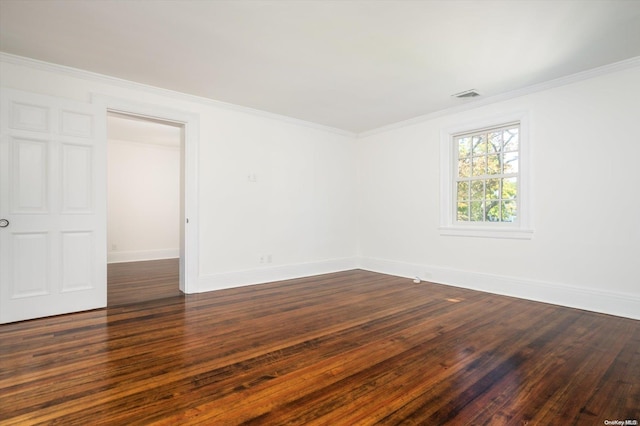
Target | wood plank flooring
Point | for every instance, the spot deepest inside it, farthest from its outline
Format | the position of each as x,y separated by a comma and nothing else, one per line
351,348
133,282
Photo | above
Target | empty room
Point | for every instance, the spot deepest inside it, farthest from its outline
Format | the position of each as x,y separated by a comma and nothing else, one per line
352,212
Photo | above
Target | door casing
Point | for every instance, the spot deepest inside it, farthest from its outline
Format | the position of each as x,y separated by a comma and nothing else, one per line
189,204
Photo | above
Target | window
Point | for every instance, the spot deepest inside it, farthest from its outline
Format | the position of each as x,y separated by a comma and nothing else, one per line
486,178
485,188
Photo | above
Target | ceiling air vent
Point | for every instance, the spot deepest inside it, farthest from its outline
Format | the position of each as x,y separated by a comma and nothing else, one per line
467,94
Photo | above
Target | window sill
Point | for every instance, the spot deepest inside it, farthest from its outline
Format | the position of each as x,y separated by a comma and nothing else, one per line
483,232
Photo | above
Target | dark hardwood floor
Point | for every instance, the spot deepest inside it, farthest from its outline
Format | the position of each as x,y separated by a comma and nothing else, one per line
351,348
133,282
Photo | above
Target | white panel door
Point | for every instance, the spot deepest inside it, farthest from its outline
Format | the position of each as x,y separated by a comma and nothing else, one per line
52,206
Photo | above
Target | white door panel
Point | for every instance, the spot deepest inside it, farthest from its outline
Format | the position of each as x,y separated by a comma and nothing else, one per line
35,118
53,193
29,167
77,191
29,270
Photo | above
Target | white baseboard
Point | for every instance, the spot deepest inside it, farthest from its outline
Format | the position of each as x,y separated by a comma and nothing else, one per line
619,304
273,273
141,255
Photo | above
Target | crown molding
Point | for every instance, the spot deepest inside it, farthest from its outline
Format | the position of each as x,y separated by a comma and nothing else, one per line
558,82
127,84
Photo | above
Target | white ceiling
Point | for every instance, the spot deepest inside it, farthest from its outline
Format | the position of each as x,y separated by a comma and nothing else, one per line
352,65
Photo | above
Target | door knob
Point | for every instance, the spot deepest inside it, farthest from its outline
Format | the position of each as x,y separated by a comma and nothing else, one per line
4,223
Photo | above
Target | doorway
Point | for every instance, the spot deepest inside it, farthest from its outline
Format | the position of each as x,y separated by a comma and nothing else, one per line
145,175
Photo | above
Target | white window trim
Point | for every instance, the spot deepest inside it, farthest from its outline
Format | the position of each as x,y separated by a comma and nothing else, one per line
522,229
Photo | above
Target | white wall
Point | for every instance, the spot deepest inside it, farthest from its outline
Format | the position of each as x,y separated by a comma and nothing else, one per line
300,210
143,210
586,172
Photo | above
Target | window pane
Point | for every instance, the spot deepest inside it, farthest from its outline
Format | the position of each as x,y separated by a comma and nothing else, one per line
479,144
510,162
493,164
464,167
493,211
464,147
463,212
509,211
479,166
495,142
477,190
511,141
493,189
463,191
477,211
509,188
